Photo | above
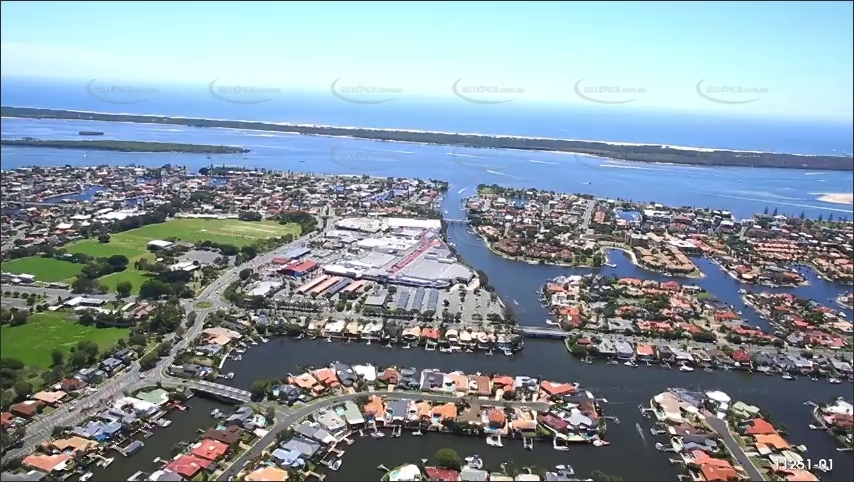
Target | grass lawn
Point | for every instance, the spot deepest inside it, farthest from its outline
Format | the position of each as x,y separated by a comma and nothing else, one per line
227,231
32,342
136,278
44,269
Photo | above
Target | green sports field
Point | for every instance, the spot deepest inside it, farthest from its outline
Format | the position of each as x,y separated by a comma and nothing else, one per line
44,269
32,342
226,231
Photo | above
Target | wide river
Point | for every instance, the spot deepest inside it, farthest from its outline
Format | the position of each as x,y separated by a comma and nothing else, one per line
743,191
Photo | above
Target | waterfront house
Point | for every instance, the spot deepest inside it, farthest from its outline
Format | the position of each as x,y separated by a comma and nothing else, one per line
374,410
411,334
292,459
681,355
327,378
505,384
48,464
841,366
368,372
390,376
461,382
189,370
744,411
606,348
315,433
288,393
274,474
229,436
316,327
209,449
554,423
334,328
372,330
210,349
352,415
430,334
645,353
96,430
699,442
552,390
353,329
241,417
307,448
410,379
307,383
396,411
330,421
188,466
73,445
623,350
441,413
345,374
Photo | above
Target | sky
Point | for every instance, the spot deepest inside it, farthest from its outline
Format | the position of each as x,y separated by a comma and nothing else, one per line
787,59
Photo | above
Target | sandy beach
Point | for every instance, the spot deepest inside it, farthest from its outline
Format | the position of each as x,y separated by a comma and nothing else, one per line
837,197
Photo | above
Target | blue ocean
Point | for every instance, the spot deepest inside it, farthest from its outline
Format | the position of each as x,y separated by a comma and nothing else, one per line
742,190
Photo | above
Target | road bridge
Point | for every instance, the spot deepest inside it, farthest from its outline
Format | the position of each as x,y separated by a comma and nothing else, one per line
211,388
455,221
554,333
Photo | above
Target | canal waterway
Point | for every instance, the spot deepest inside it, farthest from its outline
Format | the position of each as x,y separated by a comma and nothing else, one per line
623,387
790,191
183,428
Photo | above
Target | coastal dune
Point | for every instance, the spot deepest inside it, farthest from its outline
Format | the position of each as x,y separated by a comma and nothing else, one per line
837,197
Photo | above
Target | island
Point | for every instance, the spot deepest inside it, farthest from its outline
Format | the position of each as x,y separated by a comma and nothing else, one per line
124,146
634,153
90,133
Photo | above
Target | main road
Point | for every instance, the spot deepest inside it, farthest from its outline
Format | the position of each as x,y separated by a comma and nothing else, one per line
41,429
294,416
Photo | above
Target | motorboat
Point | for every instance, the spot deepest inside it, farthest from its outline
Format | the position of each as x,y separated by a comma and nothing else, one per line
469,350
565,469
406,347
685,368
834,381
601,443
335,464
443,349
417,433
613,362
494,441
474,462
216,413
377,434
630,363
489,353
742,291
708,370
86,476
788,377
508,352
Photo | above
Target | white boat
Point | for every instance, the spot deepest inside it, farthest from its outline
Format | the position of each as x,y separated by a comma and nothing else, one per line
508,352
335,464
685,368
86,476
474,462
834,381
742,291
788,377
610,265
494,441
489,353
631,364
469,350
406,346
417,433
565,470
377,434
559,448
443,349
613,362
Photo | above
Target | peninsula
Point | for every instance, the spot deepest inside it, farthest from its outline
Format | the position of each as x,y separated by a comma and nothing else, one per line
124,146
635,153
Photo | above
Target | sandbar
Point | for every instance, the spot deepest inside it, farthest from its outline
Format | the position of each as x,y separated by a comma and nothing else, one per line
837,197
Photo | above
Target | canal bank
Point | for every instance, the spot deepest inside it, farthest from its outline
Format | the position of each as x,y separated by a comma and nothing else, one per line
625,388
183,428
